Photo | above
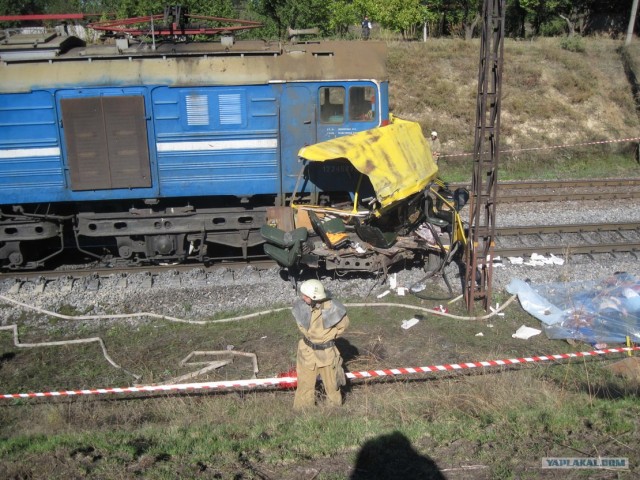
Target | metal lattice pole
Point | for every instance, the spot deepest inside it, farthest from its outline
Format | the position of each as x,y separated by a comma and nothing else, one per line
482,207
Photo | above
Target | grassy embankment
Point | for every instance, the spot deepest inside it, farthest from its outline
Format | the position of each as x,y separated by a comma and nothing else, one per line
550,97
497,422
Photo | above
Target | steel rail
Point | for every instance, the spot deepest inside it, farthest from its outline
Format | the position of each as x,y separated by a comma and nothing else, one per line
88,273
569,248
633,247
551,184
564,197
568,228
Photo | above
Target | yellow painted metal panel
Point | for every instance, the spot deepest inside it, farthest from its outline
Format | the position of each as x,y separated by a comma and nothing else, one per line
396,158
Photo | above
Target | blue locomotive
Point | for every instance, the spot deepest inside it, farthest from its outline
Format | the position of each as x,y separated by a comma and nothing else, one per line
145,153
163,152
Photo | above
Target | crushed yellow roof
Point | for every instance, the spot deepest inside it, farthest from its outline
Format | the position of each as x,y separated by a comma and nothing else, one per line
396,158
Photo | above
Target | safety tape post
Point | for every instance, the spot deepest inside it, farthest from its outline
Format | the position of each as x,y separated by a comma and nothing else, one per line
289,381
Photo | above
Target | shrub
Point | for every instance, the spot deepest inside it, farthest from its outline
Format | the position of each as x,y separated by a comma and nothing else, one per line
573,43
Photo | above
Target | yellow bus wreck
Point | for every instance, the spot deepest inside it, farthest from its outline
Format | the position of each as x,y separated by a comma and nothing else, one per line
395,209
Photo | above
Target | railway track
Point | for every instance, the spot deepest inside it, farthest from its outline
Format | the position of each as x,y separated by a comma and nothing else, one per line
91,276
512,241
565,190
594,238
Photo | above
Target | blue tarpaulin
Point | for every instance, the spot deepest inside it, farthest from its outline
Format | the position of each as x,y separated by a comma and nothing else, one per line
600,311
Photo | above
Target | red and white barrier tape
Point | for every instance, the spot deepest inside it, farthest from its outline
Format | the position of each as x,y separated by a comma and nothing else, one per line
548,147
291,381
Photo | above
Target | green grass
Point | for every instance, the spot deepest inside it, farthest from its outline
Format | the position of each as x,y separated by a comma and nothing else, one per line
503,418
491,418
564,165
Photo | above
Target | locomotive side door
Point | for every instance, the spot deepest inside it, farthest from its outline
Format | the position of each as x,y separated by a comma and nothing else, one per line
297,129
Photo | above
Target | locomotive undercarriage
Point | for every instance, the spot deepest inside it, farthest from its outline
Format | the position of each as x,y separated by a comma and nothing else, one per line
175,234
136,236
415,230
27,242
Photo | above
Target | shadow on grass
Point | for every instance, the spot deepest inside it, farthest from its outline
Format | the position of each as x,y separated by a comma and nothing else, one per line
392,457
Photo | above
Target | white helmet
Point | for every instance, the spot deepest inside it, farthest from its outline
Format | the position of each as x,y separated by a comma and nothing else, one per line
434,134
313,289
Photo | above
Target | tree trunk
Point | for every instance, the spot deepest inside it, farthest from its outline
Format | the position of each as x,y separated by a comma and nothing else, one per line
572,29
468,29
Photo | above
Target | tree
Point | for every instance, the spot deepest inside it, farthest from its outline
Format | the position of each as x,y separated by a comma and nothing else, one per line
403,16
342,13
515,19
294,13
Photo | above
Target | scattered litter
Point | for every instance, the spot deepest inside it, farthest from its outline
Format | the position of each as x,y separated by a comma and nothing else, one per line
526,333
263,337
490,325
441,309
418,288
537,260
393,282
401,291
600,346
384,294
557,260
480,334
495,310
407,324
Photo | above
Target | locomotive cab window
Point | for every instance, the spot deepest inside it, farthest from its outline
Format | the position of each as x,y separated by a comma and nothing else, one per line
332,104
362,103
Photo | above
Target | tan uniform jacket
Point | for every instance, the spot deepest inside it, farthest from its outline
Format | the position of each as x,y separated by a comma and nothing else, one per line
317,333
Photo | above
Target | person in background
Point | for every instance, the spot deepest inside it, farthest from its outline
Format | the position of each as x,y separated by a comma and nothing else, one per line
366,28
321,320
434,143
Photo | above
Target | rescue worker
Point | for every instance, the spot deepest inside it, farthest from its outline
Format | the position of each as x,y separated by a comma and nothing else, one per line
434,143
321,320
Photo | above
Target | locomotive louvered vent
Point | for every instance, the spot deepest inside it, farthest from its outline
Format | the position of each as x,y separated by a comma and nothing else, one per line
230,109
197,110
106,139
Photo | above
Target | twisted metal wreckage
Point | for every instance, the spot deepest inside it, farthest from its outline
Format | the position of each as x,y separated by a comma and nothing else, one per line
410,213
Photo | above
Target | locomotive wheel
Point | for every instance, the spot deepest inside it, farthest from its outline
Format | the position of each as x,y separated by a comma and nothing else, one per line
16,258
